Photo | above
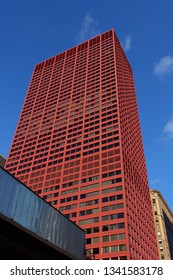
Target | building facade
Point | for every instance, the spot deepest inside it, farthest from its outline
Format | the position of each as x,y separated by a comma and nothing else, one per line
78,145
163,218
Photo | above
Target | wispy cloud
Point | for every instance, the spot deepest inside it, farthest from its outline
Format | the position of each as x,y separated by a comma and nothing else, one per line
163,66
154,181
168,129
88,28
127,43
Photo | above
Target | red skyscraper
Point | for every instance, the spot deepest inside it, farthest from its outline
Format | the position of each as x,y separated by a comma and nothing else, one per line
78,144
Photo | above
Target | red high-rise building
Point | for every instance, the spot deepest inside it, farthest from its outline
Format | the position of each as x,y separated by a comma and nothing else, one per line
78,144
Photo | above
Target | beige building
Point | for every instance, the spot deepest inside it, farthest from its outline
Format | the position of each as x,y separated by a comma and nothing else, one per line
163,218
2,161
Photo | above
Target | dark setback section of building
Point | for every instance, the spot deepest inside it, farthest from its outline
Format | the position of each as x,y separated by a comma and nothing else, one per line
169,232
32,229
2,161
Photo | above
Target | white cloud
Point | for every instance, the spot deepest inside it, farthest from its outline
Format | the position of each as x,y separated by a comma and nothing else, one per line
164,66
127,44
88,28
169,128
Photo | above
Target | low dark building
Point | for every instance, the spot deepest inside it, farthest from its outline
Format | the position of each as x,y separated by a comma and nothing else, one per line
30,228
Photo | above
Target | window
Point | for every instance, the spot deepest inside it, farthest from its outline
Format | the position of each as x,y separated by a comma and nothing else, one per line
88,230
95,240
88,240
105,249
122,247
112,216
112,198
105,199
118,180
82,196
113,237
121,225
120,215
120,205
112,227
95,251
105,238
105,208
105,218
95,210
95,229
123,258
121,236
74,214
96,219
105,228
114,248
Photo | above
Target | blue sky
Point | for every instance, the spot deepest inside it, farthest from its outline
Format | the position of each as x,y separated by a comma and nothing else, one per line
32,31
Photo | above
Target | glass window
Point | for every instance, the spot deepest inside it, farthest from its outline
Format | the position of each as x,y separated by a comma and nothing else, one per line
120,215
88,212
118,188
105,228
121,225
112,198
95,229
122,247
123,258
105,249
120,205
112,216
112,207
119,196
88,230
96,219
105,199
114,248
105,238
95,251
74,214
113,237
88,240
112,227
105,208
82,204
95,240
105,218
88,221
95,210
89,203
121,236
